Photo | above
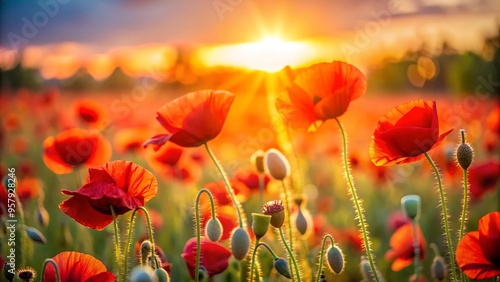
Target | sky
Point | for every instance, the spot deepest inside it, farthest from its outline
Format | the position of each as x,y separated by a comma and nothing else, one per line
94,27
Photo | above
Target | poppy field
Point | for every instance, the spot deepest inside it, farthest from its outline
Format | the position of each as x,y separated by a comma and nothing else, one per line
311,179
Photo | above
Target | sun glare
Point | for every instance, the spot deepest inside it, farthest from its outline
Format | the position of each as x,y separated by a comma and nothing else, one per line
269,55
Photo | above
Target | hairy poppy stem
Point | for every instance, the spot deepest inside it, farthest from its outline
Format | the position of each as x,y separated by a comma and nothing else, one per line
56,269
322,254
290,254
445,216
416,250
198,227
117,244
252,264
287,213
465,199
228,185
268,248
357,204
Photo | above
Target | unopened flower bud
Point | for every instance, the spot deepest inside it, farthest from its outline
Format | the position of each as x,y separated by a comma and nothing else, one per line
335,259
302,218
161,275
277,212
35,235
26,274
438,268
240,243
146,247
281,266
276,164
257,160
42,216
411,206
142,274
366,271
464,155
213,230
260,224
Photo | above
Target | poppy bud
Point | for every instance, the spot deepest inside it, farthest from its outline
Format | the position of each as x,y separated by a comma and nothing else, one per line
146,247
240,243
257,160
302,218
277,212
438,268
276,164
213,230
42,216
281,266
464,155
411,206
142,274
366,270
162,275
35,235
26,274
260,224
335,259
8,272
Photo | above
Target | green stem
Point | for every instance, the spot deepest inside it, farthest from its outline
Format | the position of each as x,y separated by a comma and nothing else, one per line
151,237
322,253
268,248
226,182
290,254
198,227
287,210
117,244
56,269
465,197
129,239
445,216
416,250
252,265
357,204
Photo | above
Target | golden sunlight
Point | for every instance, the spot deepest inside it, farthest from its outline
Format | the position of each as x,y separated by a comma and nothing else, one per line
269,55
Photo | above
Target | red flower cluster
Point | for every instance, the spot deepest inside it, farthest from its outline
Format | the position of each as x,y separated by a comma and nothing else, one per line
214,256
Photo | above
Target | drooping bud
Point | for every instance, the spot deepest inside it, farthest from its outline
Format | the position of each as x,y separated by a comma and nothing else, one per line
464,155
26,274
142,274
42,216
276,210
281,265
257,160
161,275
335,259
213,230
301,217
146,247
260,224
240,243
276,164
438,268
35,235
411,206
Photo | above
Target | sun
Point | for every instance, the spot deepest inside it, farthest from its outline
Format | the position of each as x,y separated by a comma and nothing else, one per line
270,54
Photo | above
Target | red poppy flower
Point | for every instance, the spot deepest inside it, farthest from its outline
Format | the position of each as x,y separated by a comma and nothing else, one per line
89,111
74,266
483,177
401,243
477,253
74,147
172,161
405,133
321,92
250,177
193,119
28,188
130,139
121,184
214,256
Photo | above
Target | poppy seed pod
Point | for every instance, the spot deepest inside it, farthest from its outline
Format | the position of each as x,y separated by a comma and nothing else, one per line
411,206
277,212
438,268
26,274
281,266
464,155
240,243
213,230
161,275
35,235
142,274
276,164
260,224
257,160
335,259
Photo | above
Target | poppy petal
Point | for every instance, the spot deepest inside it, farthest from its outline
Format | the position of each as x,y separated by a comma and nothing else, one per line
74,266
471,260
78,208
489,236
